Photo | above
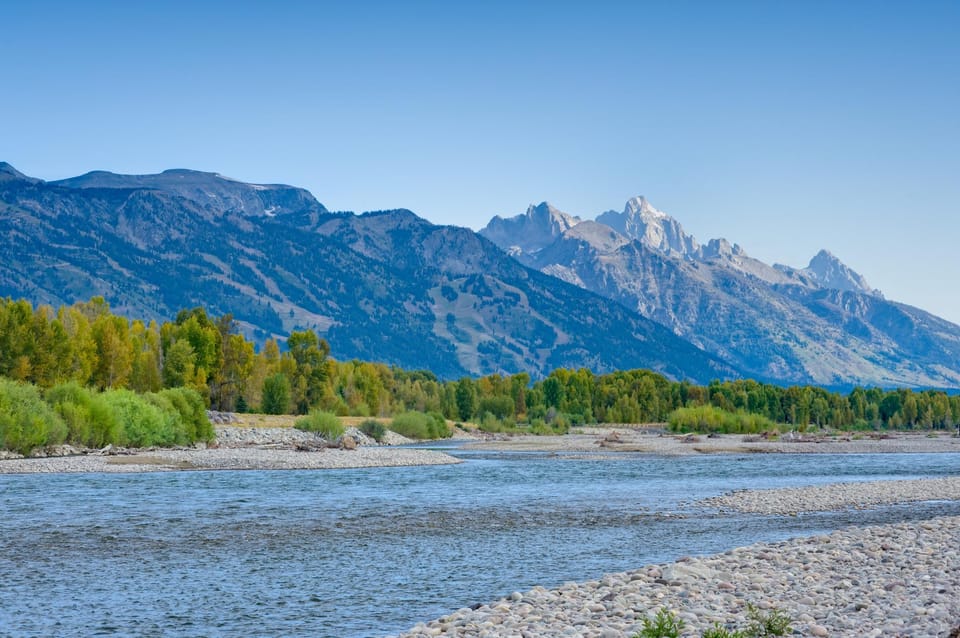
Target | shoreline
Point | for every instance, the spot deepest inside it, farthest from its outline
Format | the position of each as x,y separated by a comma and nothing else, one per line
836,496
888,580
897,579
248,446
237,448
651,441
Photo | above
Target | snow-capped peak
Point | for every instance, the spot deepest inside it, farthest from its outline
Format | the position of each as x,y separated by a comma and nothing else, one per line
640,206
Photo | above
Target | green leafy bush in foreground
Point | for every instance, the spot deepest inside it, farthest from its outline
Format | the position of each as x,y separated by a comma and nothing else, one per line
666,625
707,418
325,423
417,425
26,421
144,424
90,421
193,412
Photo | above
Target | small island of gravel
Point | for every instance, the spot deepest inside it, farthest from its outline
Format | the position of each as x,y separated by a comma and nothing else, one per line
248,442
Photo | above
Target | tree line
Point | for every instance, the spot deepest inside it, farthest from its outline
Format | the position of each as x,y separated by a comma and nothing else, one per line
87,344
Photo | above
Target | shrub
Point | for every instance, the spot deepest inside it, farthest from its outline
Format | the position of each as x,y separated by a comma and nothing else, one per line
500,406
360,409
664,625
173,431
374,429
720,632
540,428
26,421
772,623
324,423
193,412
417,425
143,423
90,422
708,418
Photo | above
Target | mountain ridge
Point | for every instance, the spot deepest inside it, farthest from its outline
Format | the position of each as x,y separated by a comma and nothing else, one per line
820,324
383,286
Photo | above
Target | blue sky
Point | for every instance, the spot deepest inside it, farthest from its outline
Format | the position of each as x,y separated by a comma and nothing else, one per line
784,126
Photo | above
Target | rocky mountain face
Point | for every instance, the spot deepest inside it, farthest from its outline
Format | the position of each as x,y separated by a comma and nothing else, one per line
821,324
383,286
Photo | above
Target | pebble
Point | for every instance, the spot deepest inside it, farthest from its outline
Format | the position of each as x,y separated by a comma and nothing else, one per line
838,496
835,585
237,448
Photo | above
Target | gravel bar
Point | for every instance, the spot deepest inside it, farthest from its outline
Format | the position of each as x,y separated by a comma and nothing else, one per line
891,580
230,459
837,496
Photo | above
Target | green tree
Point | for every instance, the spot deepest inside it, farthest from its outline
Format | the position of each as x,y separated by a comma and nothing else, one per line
466,398
276,394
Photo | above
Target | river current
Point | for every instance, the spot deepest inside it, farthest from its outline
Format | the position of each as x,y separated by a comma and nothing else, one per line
350,553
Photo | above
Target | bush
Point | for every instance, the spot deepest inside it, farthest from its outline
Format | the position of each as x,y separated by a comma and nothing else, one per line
664,625
26,421
417,425
374,429
720,632
324,423
193,412
708,418
143,423
90,422
772,623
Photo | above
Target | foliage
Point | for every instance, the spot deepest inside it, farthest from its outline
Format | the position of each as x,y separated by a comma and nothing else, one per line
325,423
374,429
143,423
276,394
717,631
664,625
706,418
90,422
417,425
26,421
189,404
88,344
773,623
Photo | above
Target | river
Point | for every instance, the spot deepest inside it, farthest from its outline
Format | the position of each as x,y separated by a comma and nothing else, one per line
350,553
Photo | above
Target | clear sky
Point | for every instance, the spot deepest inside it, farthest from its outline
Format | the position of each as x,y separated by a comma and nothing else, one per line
783,126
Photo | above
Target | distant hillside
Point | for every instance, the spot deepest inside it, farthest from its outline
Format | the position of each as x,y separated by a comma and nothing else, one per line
384,286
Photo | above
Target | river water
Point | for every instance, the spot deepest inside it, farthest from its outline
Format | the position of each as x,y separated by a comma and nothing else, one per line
370,552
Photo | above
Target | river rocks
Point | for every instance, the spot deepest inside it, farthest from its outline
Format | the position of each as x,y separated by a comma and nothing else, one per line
837,496
833,585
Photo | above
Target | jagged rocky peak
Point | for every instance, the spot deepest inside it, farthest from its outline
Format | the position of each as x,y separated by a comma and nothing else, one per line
539,227
654,228
210,190
717,248
829,272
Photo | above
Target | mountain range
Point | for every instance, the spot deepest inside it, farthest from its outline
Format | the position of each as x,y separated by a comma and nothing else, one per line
821,324
530,293
383,286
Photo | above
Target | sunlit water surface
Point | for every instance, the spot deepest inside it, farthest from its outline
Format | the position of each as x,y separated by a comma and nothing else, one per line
370,552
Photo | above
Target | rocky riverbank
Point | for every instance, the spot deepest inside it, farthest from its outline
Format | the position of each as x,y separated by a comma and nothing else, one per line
607,440
891,580
237,448
836,496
